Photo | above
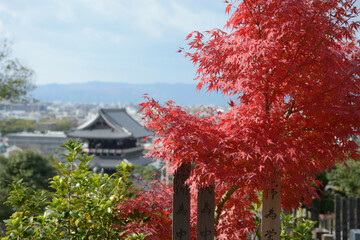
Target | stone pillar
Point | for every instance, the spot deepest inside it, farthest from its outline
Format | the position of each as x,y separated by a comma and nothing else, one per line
355,234
327,237
318,233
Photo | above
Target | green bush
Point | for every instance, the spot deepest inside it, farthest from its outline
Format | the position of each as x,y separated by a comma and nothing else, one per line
301,230
290,229
80,207
33,168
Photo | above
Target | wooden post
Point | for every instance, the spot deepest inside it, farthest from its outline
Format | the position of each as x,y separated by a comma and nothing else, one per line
337,217
270,222
205,213
351,213
326,222
358,213
344,219
181,204
314,216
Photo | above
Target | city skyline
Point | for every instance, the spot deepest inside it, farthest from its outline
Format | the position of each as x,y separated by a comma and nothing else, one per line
107,40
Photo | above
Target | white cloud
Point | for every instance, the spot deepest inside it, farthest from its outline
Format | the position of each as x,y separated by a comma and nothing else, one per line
154,17
100,36
65,12
185,19
3,32
84,40
5,10
50,64
158,16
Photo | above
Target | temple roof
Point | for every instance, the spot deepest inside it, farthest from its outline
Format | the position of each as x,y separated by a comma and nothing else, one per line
110,123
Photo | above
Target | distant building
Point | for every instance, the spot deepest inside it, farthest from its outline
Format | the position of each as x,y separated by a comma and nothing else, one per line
112,136
45,126
42,142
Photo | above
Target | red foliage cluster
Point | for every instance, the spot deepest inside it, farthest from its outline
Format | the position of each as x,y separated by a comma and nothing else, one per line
150,213
293,67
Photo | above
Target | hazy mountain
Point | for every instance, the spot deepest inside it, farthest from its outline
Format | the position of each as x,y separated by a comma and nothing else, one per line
110,92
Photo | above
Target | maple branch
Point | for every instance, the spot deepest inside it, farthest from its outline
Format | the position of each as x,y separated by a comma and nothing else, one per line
257,23
222,202
339,85
290,110
307,31
288,74
329,31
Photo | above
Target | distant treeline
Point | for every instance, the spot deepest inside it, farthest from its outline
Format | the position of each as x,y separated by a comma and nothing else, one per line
19,125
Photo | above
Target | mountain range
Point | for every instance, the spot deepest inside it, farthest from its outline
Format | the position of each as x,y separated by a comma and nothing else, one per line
112,92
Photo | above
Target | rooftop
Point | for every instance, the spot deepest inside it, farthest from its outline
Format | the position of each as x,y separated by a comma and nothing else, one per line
110,123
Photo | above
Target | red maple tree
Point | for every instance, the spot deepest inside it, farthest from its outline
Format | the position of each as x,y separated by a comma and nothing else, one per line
292,68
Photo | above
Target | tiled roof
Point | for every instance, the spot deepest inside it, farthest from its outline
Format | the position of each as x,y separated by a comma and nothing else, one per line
120,119
119,125
99,134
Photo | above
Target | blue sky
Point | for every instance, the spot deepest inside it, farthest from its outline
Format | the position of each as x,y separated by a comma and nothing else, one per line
67,41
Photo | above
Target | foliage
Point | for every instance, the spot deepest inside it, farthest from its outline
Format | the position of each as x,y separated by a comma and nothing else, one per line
148,213
16,125
345,178
151,212
324,204
80,206
291,68
15,78
20,125
290,229
32,168
61,124
301,230
147,173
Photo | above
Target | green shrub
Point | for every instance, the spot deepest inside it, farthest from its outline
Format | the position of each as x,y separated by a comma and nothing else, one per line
290,229
80,207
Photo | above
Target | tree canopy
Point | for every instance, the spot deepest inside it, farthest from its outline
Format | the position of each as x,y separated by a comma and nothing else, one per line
292,70
34,170
16,125
345,178
81,205
15,78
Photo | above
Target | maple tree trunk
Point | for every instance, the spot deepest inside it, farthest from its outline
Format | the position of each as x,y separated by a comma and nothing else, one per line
270,220
222,202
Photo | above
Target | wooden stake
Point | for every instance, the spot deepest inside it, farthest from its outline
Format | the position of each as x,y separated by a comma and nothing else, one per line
181,204
270,222
205,213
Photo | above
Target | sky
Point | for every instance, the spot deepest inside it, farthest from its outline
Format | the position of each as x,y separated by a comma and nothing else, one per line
74,41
